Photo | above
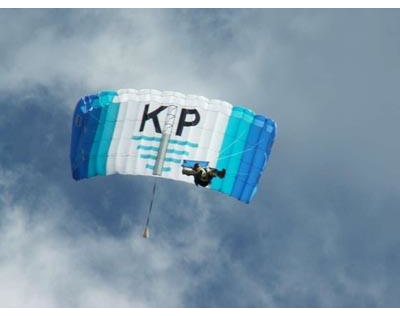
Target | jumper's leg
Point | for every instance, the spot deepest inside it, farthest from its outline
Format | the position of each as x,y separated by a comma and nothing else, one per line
188,171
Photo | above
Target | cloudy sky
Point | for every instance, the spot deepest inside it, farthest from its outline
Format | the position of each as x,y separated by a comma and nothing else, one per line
322,230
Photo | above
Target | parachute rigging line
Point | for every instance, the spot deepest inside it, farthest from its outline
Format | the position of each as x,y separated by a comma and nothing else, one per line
146,233
241,152
233,143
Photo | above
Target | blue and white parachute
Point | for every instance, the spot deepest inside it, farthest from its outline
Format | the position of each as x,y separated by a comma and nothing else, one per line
150,133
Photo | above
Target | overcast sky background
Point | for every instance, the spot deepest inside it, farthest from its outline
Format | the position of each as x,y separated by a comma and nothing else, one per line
322,230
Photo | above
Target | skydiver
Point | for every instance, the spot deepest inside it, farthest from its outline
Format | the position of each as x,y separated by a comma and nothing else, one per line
203,176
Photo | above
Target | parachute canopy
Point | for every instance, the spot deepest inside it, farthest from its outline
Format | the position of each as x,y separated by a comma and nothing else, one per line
152,133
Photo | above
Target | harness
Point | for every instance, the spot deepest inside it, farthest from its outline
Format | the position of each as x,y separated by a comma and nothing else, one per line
202,180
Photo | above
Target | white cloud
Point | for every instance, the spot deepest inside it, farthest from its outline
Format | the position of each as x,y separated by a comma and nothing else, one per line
81,52
124,49
49,258
43,263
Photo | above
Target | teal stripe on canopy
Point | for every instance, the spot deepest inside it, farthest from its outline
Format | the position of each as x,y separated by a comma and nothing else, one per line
104,132
232,148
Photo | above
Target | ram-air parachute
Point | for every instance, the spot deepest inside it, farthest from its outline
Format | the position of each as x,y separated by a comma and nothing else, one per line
152,133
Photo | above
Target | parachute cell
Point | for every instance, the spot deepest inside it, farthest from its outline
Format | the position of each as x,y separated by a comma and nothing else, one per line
148,132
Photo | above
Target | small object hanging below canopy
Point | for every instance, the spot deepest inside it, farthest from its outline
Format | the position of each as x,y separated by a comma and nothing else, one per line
146,233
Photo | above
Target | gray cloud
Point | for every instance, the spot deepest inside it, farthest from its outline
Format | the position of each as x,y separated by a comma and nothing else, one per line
322,230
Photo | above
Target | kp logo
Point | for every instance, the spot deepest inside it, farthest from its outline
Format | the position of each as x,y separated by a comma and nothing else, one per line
182,119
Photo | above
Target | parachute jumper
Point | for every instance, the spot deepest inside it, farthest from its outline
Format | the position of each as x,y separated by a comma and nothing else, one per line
151,133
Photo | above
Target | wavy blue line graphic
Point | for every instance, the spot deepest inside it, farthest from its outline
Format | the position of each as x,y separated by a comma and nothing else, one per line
169,151
183,143
146,138
165,169
171,141
167,159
